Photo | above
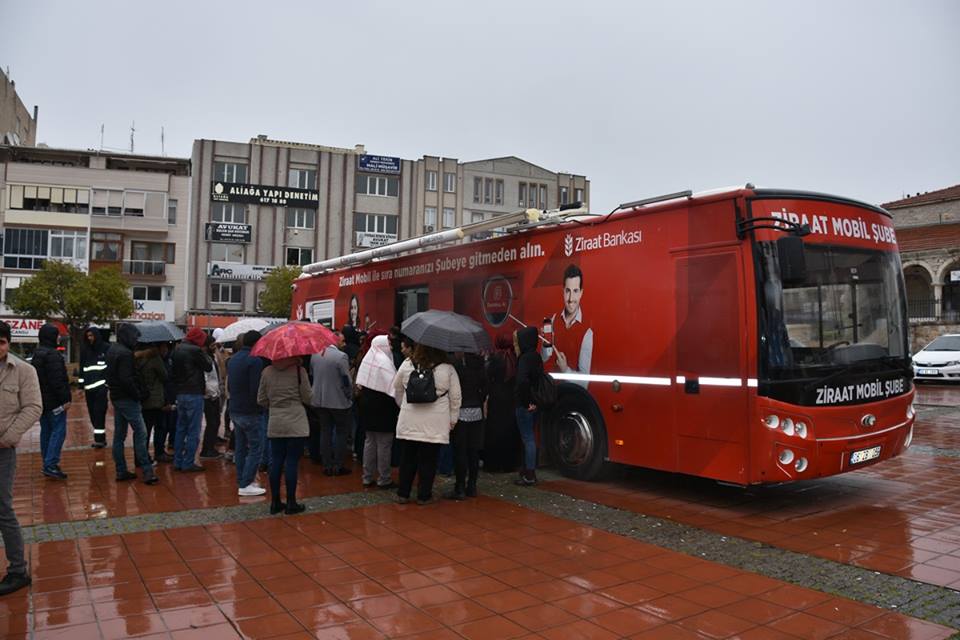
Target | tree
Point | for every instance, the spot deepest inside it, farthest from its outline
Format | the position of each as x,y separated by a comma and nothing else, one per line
60,290
278,293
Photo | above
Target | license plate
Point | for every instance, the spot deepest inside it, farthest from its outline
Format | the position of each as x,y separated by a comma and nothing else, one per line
865,454
928,372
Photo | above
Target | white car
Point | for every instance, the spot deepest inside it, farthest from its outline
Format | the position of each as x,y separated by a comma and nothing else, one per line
939,360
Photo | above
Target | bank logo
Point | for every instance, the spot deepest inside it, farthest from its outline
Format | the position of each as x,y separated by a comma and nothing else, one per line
218,188
568,245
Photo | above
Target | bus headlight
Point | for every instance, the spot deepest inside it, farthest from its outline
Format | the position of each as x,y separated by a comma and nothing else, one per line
786,456
801,428
772,421
787,426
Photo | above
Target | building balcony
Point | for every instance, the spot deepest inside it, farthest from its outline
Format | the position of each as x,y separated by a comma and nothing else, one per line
150,268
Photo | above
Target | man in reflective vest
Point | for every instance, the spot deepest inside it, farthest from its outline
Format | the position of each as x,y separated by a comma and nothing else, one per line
93,372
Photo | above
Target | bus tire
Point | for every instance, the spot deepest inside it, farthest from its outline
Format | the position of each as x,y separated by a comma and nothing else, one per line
576,435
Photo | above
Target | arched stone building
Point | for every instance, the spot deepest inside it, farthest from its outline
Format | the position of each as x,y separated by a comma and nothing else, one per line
928,232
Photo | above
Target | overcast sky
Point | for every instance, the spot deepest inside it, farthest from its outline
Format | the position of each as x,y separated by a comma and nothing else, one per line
856,98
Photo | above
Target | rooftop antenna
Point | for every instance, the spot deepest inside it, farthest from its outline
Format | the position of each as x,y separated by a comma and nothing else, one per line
133,129
101,137
163,151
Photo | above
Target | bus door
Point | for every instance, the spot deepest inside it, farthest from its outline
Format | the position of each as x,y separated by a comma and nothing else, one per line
410,300
710,384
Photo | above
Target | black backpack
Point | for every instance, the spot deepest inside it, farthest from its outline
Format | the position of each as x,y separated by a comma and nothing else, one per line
421,388
543,390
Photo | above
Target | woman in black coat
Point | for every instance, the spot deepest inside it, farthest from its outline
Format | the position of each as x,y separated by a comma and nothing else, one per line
501,443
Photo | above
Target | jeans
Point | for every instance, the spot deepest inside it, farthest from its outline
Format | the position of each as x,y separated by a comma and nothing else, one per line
53,431
127,412
156,421
376,457
285,457
248,447
189,419
467,440
336,428
211,413
525,422
445,460
9,527
417,459
97,408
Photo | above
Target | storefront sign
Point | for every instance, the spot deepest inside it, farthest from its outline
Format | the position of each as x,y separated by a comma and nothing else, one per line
228,232
264,194
24,327
373,239
235,271
153,310
378,164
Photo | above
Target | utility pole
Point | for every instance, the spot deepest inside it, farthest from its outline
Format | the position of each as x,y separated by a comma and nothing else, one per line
132,131
101,137
162,148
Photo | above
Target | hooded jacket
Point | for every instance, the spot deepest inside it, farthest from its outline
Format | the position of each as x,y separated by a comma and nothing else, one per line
189,366
51,369
153,374
123,379
529,366
93,361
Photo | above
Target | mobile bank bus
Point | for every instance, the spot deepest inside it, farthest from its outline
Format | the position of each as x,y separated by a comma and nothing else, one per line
746,335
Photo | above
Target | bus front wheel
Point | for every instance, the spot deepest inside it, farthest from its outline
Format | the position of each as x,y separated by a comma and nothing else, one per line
577,439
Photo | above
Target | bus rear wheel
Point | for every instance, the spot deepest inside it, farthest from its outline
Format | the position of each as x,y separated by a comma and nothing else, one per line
577,439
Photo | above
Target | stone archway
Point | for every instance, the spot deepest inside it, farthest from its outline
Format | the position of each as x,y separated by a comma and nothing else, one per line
921,302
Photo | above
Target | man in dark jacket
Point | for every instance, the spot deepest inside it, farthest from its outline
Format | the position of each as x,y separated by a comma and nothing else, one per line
243,380
93,377
127,393
189,366
529,368
55,389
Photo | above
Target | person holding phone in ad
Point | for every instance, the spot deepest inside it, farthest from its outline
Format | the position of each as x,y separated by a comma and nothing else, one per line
572,343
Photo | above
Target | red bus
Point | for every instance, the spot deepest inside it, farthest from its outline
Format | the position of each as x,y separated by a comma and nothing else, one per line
746,335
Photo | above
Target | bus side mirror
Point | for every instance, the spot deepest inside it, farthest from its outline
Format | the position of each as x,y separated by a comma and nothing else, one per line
793,262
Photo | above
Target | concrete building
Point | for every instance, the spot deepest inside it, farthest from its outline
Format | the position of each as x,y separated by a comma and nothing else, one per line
97,209
17,126
269,202
928,232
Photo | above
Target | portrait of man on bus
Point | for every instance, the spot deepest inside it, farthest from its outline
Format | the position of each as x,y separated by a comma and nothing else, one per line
572,345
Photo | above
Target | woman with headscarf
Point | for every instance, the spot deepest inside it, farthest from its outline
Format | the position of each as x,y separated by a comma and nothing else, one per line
501,444
377,411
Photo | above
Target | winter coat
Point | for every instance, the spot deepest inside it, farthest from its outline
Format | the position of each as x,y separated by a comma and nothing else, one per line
153,375
211,382
20,400
529,366
332,385
189,366
473,380
51,369
243,379
283,392
93,361
429,422
377,411
122,378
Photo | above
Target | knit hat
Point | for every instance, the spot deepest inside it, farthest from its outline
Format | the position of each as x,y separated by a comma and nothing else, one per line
196,336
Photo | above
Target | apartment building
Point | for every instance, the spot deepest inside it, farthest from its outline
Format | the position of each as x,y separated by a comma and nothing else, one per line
17,126
96,209
268,202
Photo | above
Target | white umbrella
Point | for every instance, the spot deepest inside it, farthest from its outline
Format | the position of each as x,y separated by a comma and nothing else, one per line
232,332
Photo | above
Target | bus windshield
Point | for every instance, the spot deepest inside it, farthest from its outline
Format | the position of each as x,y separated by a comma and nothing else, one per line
846,315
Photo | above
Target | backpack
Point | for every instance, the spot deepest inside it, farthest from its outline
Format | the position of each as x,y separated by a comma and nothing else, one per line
421,388
543,390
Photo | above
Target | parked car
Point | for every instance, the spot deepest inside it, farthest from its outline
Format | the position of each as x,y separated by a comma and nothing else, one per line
939,360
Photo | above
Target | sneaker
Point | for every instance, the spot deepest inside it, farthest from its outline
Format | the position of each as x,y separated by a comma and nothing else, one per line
126,475
209,455
150,478
54,472
425,501
251,490
14,582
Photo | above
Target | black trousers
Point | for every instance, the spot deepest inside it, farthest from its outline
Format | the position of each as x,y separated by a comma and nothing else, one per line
467,441
156,421
97,408
335,429
211,413
417,459
314,439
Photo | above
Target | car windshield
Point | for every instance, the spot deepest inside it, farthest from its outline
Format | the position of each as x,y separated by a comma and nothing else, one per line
846,311
944,343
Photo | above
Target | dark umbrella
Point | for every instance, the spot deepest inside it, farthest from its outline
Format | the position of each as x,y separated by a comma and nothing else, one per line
447,331
273,325
159,331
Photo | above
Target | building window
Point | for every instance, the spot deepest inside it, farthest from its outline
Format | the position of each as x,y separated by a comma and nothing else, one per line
450,182
10,286
171,211
429,219
299,256
303,179
431,180
578,195
301,218
229,171
133,203
488,191
523,194
57,199
68,245
106,247
377,185
163,252
476,216
25,248
449,218
107,202
532,196
374,229
477,189
145,293
226,292
564,195
228,212
498,193
220,252
543,196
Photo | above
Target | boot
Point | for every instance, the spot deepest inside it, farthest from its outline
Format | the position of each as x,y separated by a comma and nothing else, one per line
276,507
150,476
294,507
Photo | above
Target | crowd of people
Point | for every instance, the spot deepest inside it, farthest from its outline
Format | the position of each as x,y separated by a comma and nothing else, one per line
375,396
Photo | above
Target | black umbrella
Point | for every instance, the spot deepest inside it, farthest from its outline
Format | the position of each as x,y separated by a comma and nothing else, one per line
447,331
273,325
158,331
